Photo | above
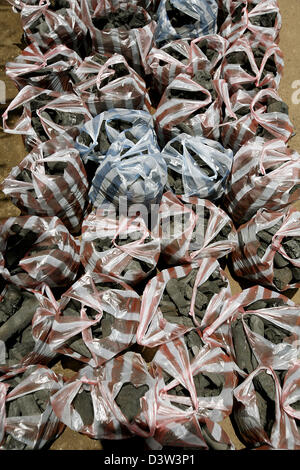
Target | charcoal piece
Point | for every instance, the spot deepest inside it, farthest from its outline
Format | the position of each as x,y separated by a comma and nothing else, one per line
99,59
27,405
19,320
55,168
211,441
275,333
282,277
193,343
265,236
137,266
128,399
103,244
204,78
296,274
107,322
77,344
205,168
10,303
210,53
186,95
24,175
17,246
42,398
281,376
280,261
176,54
266,20
256,324
175,182
123,19
63,118
37,250
275,106
241,345
265,396
292,247
208,384
84,406
177,17
266,303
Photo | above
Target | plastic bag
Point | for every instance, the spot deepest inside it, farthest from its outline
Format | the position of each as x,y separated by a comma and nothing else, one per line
52,70
265,174
36,250
50,181
27,420
252,65
197,166
159,323
258,19
122,247
265,115
280,428
134,172
119,413
133,43
182,19
269,250
207,232
205,383
257,327
96,319
110,84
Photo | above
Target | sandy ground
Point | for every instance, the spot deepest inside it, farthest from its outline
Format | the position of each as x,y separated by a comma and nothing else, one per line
12,151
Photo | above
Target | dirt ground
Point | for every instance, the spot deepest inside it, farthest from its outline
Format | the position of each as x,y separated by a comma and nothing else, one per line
12,152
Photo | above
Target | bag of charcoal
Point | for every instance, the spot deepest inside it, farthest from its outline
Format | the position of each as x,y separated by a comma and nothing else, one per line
181,299
180,426
206,53
197,166
50,181
95,320
121,402
97,135
266,408
54,23
45,114
27,420
257,327
183,19
265,115
194,228
269,249
34,250
122,28
204,382
106,83
251,66
192,105
17,308
132,172
265,174
52,70
120,246
255,19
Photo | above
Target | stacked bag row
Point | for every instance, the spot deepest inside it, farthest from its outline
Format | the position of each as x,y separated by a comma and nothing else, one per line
157,153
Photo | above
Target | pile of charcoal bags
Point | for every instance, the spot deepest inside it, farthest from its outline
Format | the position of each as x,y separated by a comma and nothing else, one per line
157,154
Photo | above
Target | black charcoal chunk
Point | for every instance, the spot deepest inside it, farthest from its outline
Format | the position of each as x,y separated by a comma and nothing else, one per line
128,399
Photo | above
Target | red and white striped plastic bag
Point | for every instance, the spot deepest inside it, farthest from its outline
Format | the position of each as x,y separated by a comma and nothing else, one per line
100,297
255,119
47,28
36,430
133,44
123,261
52,70
110,420
99,92
55,255
283,433
265,174
206,53
191,241
154,329
29,99
167,62
173,358
198,116
183,428
256,75
35,190
266,352
250,264
249,25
